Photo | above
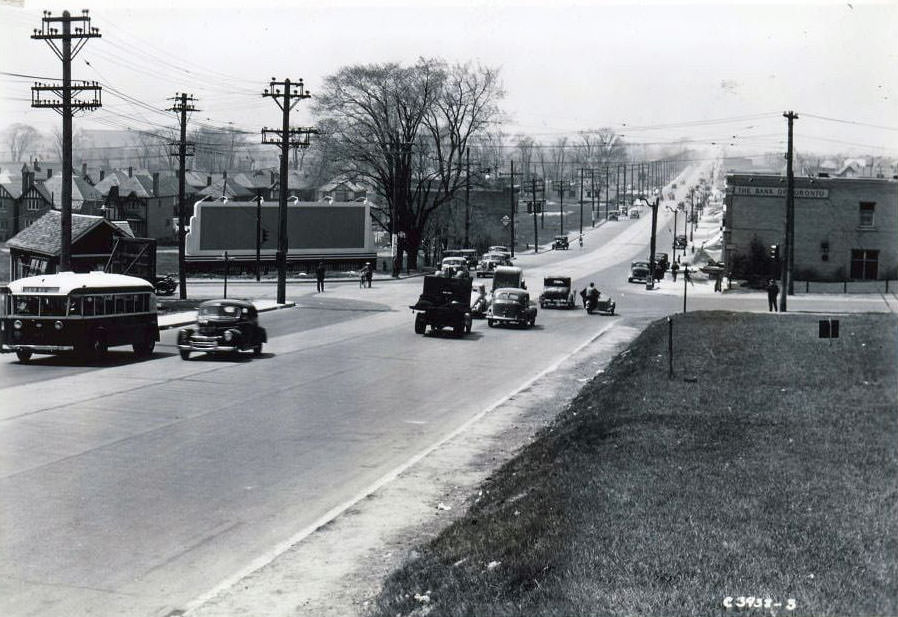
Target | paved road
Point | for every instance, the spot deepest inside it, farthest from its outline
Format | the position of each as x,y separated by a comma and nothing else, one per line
129,488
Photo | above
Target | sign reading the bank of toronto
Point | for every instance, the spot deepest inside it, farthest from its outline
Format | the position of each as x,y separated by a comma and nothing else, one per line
780,191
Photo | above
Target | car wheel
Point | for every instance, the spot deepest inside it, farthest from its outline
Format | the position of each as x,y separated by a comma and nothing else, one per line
185,354
491,323
23,355
257,350
468,324
533,322
420,324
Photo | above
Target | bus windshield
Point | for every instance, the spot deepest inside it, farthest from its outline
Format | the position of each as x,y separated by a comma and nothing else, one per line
39,306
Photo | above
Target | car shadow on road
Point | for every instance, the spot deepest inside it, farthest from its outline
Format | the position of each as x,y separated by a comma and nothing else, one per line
228,358
108,360
448,334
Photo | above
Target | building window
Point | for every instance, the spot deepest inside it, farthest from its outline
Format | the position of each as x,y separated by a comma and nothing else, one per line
33,204
866,211
864,265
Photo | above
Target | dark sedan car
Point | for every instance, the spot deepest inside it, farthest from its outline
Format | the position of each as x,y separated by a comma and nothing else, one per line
557,292
640,272
511,306
223,326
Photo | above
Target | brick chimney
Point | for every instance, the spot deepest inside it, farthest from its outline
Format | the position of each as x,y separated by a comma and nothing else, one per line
155,184
83,170
130,171
102,174
208,180
49,173
27,179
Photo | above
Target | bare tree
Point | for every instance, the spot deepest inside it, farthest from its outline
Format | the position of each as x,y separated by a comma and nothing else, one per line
404,131
21,139
525,145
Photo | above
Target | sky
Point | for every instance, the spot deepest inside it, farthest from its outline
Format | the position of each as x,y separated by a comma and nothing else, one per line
716,73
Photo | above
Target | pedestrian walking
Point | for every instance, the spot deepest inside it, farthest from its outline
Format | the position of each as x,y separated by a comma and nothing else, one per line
319,275
773,291
718,278
674,268
369,273
583,296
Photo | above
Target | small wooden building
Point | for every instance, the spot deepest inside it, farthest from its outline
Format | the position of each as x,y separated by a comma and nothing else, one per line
97,244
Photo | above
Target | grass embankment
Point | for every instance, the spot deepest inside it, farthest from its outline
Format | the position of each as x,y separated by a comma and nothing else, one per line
773,475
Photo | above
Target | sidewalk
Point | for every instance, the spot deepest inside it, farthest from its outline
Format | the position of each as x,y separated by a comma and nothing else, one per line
174,320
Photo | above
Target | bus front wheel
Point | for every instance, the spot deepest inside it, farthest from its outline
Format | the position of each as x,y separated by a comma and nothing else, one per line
23,355
185,354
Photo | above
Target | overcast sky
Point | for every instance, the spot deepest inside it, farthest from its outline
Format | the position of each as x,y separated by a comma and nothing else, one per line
653,71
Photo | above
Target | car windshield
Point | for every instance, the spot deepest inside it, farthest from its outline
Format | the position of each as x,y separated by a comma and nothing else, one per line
556,283
220,311
509,296
640,264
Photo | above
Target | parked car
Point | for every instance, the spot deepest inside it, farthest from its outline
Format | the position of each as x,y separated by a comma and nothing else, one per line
455,266
557,293
634,213
612,216
663,259
498,248
511,306
640,272
444,303
560,243
223,326
680,241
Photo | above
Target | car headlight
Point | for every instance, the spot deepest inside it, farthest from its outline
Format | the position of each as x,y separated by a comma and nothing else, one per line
57,324
17,324
229,335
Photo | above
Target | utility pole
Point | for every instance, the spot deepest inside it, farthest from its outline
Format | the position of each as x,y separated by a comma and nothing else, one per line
562,185
286,138
258,238
182,104
66,105
581,203
607,189
650,280
512,209
787,284
534,208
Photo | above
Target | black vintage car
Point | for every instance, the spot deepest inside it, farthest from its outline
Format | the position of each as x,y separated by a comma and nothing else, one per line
511,306
223,326
640,272
557,293
560,243
444,303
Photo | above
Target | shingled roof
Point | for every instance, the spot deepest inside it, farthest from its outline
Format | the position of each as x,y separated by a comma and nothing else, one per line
43,236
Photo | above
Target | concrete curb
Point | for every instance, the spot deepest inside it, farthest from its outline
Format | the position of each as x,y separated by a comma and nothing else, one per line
188,317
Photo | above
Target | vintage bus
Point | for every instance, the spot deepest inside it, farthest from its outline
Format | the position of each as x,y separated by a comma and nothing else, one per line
82,312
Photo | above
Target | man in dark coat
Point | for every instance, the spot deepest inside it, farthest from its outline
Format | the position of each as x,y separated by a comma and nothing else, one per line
773,291
319,275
